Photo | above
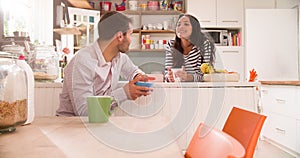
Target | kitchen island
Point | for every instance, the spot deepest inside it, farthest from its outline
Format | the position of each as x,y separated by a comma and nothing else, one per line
187,104
61,137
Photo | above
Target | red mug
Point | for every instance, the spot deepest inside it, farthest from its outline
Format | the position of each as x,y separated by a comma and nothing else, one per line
105,6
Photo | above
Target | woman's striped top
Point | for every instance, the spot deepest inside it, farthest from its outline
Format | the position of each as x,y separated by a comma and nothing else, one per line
193,60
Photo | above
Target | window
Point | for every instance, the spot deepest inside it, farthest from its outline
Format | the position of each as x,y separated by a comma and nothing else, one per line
33,18
17,17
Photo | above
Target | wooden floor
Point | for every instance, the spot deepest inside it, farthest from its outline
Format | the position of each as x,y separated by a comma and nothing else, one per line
268,150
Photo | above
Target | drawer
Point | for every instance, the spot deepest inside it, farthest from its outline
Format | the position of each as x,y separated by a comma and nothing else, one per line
282,130
281,99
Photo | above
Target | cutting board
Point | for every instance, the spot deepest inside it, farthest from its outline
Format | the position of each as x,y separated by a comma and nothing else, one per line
221,77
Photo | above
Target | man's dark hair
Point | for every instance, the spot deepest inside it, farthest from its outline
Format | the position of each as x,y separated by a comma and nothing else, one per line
111,23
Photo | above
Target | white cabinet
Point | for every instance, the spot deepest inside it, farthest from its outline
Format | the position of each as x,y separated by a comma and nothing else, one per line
217,13
230,13
46,98
281,105
204,10
231,59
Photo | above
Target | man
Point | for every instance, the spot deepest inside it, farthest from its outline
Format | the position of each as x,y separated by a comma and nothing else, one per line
95,69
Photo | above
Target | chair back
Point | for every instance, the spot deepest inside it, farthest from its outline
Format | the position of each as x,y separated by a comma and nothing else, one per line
209,142
245,126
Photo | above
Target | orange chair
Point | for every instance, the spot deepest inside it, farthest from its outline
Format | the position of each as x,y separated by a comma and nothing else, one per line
245,126
209,142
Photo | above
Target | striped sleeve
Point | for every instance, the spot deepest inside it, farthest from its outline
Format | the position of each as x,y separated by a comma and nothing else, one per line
169,57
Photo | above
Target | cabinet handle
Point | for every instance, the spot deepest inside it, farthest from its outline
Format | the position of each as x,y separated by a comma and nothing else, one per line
280,101
280,130
236,21
230,51
205,21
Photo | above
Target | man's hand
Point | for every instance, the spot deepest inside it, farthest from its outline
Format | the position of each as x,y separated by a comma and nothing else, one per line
133,91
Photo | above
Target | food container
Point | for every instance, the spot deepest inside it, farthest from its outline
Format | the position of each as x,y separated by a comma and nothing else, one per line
178,5
46,63
152,5
17,52
143,6
105,6
133,5
13,93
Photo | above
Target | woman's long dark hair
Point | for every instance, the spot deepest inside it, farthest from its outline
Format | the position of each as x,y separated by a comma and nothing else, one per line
197,38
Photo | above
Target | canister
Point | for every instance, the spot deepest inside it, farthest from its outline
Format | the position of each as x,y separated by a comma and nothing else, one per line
13,93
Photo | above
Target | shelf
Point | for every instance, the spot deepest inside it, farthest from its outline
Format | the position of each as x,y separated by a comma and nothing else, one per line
67,31
157,31
147,50
149,12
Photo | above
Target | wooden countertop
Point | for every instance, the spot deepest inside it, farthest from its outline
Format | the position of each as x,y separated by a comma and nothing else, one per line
295,83
62,137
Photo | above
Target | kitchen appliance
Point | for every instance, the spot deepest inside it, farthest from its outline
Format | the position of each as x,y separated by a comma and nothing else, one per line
272,46
220,37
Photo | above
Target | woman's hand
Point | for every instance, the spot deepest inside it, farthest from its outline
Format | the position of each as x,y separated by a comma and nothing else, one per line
170,75
184,76
133,91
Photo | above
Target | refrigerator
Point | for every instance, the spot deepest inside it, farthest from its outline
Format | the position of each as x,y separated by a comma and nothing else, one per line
271,39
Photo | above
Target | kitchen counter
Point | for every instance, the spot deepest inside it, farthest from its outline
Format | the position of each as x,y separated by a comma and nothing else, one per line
61,137
292,83
168,85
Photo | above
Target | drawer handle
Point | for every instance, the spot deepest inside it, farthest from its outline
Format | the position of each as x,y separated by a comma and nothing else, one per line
230,51
280,130
230,21
280,101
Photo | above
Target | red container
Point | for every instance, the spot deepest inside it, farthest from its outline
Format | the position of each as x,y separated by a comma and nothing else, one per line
105,6
152,5
120,8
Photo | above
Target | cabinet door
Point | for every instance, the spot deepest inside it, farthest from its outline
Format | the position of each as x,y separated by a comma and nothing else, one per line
204,10
230,13
281,129
231,59
46,100
280,99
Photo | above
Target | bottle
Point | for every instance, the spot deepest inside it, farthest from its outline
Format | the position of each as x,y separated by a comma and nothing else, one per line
30,81
63,65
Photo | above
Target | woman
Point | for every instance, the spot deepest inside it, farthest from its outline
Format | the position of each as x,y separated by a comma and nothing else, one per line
188,51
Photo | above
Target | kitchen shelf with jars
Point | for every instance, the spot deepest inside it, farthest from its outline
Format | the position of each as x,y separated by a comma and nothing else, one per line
154,19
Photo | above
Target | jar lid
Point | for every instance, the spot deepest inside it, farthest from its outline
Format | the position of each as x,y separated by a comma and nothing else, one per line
8,55
44,47
14,49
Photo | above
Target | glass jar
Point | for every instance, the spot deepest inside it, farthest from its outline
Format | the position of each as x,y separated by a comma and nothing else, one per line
45,64
13,93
